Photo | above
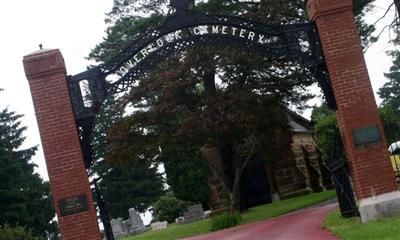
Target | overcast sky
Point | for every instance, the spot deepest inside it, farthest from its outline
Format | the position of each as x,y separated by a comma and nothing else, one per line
75,27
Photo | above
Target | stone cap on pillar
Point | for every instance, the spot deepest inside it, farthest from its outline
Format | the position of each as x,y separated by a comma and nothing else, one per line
44,62
317,8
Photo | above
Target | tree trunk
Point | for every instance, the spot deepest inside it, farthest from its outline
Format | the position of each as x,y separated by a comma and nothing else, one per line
209,82
215,168
397,4
235,198
238,171
272,182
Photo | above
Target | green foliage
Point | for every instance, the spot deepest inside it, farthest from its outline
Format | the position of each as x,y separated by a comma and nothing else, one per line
360,9
186,170
25,199
16,233
124,185
108,116
125,9
132,184
121,34
238,116
391,122
325,123
389,93
168,207
225,220
128,18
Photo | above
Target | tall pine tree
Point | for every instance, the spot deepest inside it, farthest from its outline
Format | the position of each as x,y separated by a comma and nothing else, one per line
25,199
390,95
125,185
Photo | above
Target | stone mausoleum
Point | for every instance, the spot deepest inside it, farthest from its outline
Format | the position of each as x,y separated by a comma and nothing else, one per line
299,170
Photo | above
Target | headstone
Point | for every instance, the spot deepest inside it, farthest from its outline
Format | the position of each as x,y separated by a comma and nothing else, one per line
193,213
126,225
180,220
117,228
207,214
159,225
136,223
135,218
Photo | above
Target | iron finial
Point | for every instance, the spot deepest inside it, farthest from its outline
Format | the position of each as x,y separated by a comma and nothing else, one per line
181,5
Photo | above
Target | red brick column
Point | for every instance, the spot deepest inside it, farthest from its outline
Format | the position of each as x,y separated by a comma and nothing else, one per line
46,74
371,171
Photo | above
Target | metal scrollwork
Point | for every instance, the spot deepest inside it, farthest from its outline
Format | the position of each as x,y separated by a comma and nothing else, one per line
340,173
185,29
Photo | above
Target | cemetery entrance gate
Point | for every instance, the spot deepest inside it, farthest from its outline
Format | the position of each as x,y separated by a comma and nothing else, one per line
329,46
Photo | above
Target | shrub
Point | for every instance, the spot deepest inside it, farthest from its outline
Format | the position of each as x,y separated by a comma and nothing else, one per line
225,220
15,233
168,207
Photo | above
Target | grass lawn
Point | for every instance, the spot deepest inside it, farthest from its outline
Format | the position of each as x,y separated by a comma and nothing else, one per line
176,231
352,229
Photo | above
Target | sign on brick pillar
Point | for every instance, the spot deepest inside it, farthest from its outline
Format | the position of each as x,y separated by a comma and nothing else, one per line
46,73
358,117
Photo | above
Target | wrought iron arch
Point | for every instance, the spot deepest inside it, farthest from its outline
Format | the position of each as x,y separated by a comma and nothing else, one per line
185,29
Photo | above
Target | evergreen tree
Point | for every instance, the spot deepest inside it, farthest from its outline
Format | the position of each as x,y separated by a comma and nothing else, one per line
134,184
389,93
186,170
108,116
125,185
391,122
25,199
360,9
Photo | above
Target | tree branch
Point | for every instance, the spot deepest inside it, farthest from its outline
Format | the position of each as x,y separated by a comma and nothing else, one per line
384,15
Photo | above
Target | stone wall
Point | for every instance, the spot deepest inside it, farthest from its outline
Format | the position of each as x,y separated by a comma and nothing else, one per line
298,170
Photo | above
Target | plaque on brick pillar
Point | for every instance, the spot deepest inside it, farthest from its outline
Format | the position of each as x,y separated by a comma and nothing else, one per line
366,136
73,205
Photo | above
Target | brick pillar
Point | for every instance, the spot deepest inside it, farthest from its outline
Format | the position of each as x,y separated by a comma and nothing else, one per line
46,73
357,113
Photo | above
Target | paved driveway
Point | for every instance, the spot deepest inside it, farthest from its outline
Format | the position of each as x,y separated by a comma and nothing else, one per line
301,225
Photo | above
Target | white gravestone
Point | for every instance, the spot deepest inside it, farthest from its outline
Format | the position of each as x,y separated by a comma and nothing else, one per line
159,225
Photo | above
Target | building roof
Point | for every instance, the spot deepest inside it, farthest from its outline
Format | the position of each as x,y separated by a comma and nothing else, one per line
299,124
